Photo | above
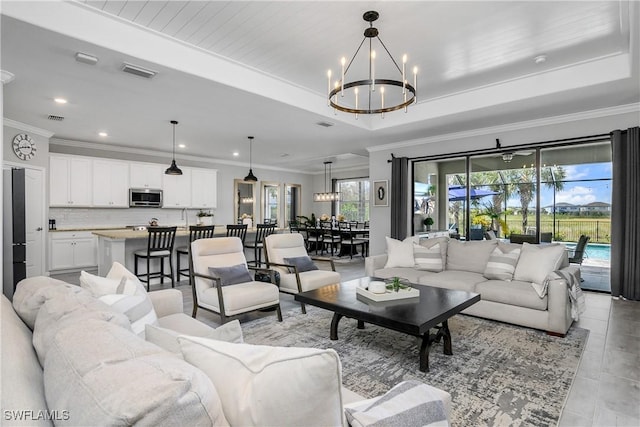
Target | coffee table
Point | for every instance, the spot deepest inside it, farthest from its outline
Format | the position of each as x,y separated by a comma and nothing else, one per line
414,316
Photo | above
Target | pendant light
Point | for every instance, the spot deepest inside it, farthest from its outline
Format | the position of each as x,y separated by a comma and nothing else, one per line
251,177
173,169
327,196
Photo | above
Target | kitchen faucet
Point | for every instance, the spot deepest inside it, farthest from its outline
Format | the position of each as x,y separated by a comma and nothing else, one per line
185,215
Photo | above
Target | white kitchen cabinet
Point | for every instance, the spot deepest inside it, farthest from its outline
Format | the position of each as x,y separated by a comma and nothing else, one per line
69,250
177,190
110,183
146,175
69,181
204,193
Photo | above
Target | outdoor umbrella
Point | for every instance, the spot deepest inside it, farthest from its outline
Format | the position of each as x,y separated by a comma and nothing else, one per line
458,193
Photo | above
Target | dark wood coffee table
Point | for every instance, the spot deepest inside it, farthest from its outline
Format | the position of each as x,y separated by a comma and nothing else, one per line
415,316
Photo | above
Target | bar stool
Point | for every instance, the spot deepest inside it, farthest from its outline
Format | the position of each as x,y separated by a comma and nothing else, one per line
195,232
262,231
159,246
237,230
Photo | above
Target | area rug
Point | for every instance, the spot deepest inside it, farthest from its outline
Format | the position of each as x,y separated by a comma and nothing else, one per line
498,375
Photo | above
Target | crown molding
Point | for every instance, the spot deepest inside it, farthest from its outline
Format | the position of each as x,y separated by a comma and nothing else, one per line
144,152
584,115
27,128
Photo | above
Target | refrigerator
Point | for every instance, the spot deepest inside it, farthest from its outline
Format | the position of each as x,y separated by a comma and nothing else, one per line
14,234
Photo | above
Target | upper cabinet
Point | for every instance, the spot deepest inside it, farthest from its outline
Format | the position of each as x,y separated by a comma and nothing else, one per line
145,175
204,193
110,183
177,190
69,181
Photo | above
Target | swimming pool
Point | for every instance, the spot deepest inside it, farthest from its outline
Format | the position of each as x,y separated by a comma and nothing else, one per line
595,251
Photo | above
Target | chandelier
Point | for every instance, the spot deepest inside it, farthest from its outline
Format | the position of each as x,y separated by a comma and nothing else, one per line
327,196
399,93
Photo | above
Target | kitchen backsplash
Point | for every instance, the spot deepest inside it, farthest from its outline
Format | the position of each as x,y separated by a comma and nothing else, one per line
78,217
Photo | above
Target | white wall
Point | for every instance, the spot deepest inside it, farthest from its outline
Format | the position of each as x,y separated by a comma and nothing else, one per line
530,132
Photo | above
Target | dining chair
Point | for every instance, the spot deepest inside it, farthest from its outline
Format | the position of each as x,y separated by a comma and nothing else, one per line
160,242
262,231
350,240
315,238
195,232
237,230
222,283
330,235
286,254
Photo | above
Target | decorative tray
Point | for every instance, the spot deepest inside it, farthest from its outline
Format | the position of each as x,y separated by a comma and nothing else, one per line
389,295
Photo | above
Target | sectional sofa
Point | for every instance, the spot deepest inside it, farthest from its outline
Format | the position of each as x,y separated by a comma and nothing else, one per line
517,283
70,357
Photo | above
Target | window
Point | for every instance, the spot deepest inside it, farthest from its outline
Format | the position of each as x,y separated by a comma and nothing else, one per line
354,199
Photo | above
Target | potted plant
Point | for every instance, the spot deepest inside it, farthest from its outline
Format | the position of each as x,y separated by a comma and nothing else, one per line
205,217
428,222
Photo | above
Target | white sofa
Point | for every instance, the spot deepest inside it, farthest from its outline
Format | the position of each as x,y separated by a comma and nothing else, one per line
70,359
529,297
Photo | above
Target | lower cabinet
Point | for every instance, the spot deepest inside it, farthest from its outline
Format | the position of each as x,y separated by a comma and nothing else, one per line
72,250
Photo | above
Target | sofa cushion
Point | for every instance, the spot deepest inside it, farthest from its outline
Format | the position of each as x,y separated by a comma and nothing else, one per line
309,280
167,338
469,256
274,386
411,274
241,297
502,263
22,378
99,286
450,279
59,312
409,403
399,253
33,292
537,261
106,375
428,258
442,241
516,293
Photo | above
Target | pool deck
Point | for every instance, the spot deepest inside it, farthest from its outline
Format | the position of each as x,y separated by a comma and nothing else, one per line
596,275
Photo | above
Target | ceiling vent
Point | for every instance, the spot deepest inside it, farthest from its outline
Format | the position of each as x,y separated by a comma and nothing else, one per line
85,58
138,71
55,118
325,124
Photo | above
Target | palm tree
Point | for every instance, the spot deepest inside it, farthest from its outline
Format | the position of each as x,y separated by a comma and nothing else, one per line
525,187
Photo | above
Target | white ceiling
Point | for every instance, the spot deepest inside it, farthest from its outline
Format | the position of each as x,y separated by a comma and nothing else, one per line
231,69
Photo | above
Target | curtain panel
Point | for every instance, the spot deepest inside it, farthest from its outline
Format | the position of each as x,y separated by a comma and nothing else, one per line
625,214
399,197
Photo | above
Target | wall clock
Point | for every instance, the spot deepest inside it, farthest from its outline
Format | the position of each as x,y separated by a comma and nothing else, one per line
24,146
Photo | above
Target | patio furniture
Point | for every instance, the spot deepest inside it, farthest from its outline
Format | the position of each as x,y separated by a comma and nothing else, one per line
522,238
578,253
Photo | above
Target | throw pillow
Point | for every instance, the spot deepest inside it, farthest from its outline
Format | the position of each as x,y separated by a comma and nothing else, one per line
99,286
429,259
399,253
469,256
231,275
302,263
410,403
168,338
502,263
537,261
274,386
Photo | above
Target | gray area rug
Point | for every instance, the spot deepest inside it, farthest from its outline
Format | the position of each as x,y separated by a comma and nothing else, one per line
498,375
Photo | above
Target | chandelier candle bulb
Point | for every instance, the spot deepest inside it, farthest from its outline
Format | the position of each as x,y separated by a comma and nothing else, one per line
342,61
373,71
415,83
382,100
404,86
355,91
329,86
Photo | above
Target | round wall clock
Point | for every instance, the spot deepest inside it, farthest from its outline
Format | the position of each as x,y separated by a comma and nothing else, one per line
24,147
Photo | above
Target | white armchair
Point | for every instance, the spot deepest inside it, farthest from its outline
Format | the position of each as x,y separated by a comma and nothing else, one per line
292,280
210,291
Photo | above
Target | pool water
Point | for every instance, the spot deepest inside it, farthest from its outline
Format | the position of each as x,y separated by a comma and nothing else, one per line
595,251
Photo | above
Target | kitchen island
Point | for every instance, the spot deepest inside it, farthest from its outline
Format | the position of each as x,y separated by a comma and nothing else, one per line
119,245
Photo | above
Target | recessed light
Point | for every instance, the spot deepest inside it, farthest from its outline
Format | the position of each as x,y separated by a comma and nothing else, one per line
236,154
60,100
103,134
181,146
540,59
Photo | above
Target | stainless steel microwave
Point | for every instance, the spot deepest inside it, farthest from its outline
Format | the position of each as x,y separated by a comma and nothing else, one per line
145,198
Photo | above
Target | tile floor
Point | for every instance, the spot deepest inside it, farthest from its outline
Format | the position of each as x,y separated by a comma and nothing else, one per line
606,390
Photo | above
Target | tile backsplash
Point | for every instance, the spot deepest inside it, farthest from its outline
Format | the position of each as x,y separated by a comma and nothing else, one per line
79,217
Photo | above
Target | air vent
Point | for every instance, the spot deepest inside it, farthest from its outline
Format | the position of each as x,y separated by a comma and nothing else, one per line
325,124
85,58
55,118
138,71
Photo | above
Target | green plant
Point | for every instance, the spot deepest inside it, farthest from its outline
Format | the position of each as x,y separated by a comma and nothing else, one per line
202,213
428,221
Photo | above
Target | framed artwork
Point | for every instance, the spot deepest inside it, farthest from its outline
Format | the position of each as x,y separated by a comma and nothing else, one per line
381,193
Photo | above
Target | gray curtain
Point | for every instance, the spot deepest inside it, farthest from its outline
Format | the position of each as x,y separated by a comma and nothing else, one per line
625,214
399,197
